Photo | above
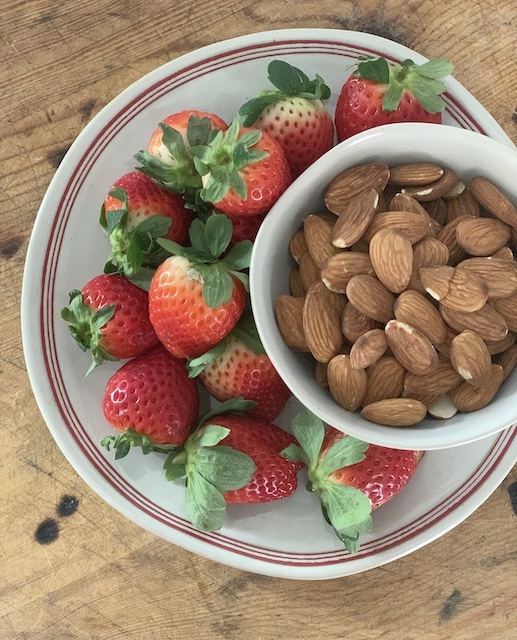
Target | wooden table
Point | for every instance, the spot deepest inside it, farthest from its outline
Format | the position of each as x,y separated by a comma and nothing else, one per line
99,575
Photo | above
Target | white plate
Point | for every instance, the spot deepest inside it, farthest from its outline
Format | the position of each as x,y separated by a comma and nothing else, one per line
67,248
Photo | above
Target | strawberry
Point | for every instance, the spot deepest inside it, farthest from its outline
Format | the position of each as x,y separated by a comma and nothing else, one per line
151,396
238,366
229,458
110,317
136,212
245,228
167,159
244,171
350,477
294,115
195,297
381,93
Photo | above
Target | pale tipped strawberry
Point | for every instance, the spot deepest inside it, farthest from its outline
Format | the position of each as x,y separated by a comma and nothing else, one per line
379,92
110,318
294,115
238,366
350,477
244,171
198,294
167,159
134,214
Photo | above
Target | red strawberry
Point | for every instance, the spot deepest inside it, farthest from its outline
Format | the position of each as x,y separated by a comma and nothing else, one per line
245,228
110,316
153,396
167,159
381,93
239,367
195,299
350,477
244,171
294,115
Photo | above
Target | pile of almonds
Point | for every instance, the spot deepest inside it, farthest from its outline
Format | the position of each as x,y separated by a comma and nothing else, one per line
404,291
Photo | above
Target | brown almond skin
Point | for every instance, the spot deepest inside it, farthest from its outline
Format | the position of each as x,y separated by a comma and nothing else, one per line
395,412
488,323
368,348
411,347
415,309
500,275
321,326
439,381
297,245
346,384
447,235
507,307
391,255
507,360
385,380
467,398
413,225
289,317
437,209
482,236
467,292
352,181
494,200
415,173
318,238
435,280
464,205
354,219
296,287
471,359
340,268
337,300
437,189
309,271
429,252
354,323
499,346
371,297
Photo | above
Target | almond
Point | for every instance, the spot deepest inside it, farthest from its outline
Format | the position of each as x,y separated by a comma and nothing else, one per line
354,219
488,323
297,245
437,189
482,236
352,181
494,200
507,308
435,280
439,381
437,209
504,254
507,360
337,300
385,380
411,347
309,271
464,205
346,384
318,238
395,412
295,283
444,348
354,323
447,235
496,347
368,348
467,398
391,255
471,359
467,291
339,269
289,317
320,373
429,252
322,326
415,173
415,309
500,275
443,409
413,225
371,298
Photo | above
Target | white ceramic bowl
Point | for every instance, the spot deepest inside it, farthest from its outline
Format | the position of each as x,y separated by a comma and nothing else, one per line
469,154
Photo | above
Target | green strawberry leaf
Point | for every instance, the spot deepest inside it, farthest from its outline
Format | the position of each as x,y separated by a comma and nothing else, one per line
123,442
206,505
217,285
348,510
218,232
246,331
435,69
251,110
211,435
196,365
226,468
376,70
198,131
111,220
233,405
142,278
294,453
309,431
239,256
174,466
427,91
342,453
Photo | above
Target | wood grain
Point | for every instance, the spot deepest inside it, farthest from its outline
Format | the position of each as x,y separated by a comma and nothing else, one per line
102,577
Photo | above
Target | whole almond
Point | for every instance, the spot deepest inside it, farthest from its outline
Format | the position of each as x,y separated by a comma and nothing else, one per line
339,269
289,317
496,347
507,308
297,245
309,271
411,347
464,205
371,297
447,235
435,280
500,275
507,360
320,373
471,359
415,309
385,380
391,255
467,398
368,348
395,412
494,200
439,381
437,209
413,225
322,326
318,238
354,323
437,189
346,384
488,323
352,181
505,253
429,252
415,173
354,219
296,287
482,236
337,300
467,291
